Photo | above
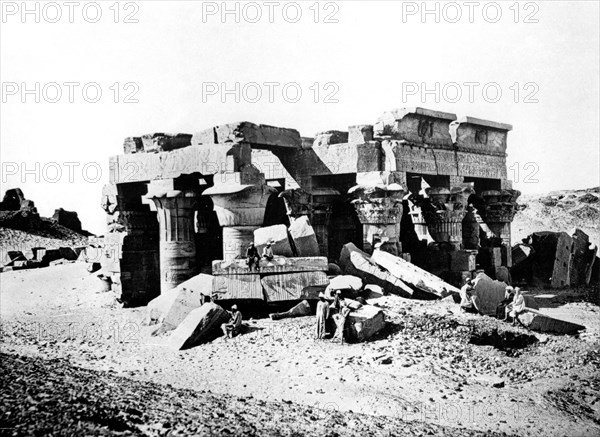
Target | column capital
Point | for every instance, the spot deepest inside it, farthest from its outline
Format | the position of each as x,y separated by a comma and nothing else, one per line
317,202
444,210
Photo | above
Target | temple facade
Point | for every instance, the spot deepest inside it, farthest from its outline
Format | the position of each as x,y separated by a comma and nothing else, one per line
423,185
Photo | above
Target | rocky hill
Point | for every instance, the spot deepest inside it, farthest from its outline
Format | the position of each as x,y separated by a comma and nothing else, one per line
22,228
559,211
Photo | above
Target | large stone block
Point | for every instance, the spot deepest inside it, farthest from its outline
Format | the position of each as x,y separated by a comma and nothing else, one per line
234,287
68,219
279,235
330,137
161,142
12,256
359,134
413,275
277,265
536,321
191,296
304,237
299,310
562,261
355,262
159,307
205,159
200,326
293,286
462,260
579,258
489,293
416,125
476,135
251,133
364,322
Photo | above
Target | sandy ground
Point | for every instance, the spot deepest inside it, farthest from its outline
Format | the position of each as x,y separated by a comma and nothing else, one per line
422,369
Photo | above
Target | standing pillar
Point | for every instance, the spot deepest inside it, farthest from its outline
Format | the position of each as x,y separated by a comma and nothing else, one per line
379,209
175,211
498,213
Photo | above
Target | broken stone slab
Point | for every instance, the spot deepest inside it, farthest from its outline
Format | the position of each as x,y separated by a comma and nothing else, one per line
249,132
413,275
293,286
304,237
355,262
299,310
364,322
345,282
234,287
277,265
539,322
46,256
200,326
162,142
520,253
12,256
278,234
489,293
159,307
191,296
579,257
330,137
562,261
68,253
373,291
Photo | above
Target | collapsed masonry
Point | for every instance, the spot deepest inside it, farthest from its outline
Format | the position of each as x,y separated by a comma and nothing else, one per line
420,184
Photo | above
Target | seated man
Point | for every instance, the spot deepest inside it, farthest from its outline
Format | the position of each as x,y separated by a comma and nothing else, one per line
468,302
268,251
509,294
232,328
516,307
252,258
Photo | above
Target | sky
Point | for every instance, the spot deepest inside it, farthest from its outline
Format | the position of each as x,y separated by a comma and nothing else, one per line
103,71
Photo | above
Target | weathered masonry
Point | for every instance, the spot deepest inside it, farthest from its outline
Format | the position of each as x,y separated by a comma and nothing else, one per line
420,184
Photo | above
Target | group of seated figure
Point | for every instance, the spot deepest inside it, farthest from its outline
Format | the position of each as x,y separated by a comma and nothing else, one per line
511,306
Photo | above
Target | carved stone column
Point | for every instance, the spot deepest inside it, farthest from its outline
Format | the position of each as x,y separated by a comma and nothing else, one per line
498,213
240,204
175,210
444,211
131,246
317,206
379,209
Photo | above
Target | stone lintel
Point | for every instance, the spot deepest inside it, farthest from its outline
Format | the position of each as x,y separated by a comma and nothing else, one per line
485,123
204,159
245,131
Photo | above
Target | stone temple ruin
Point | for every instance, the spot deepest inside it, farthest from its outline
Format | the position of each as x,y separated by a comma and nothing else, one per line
423,185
